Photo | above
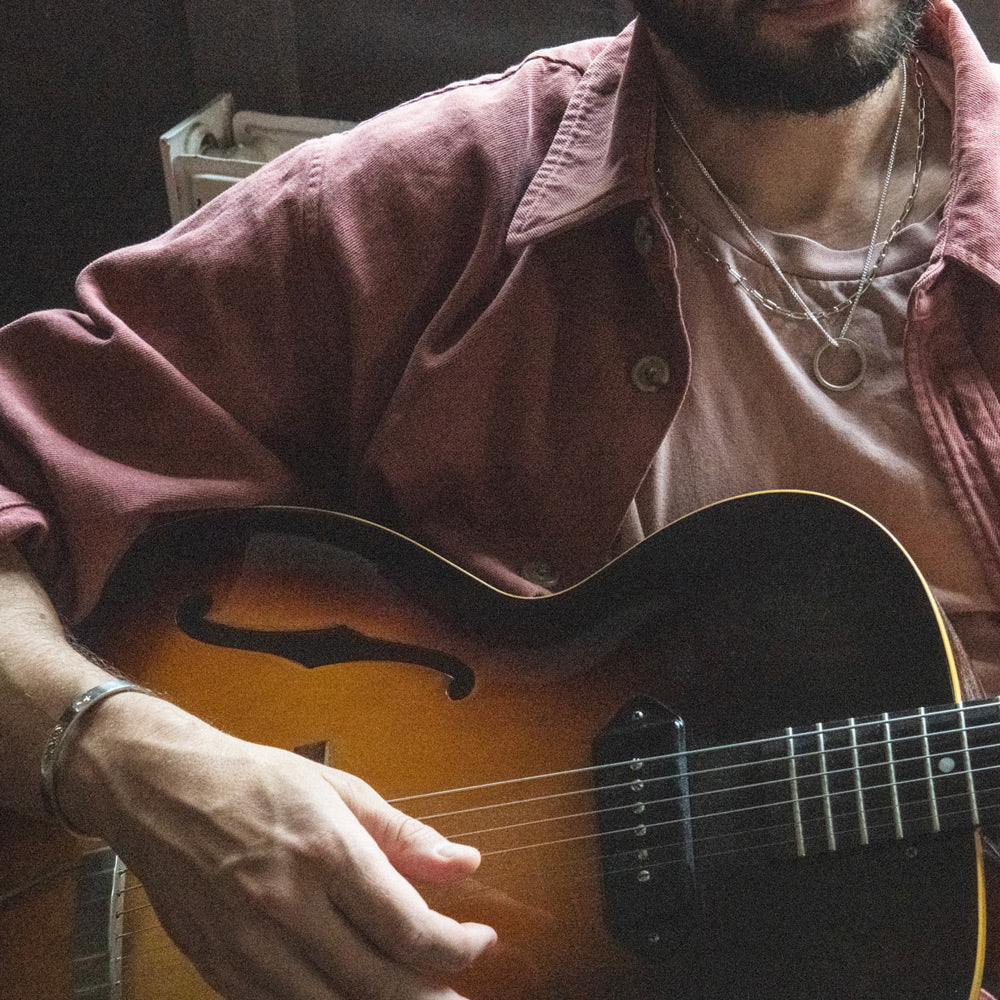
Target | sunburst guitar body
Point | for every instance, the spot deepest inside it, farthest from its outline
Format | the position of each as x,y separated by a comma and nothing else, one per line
731,764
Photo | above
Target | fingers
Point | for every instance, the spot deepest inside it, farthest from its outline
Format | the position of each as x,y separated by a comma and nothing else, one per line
250,957
389,913
362,972
415,849
267,870
372,893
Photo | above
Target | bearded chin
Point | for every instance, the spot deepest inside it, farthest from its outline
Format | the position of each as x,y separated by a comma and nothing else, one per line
738,71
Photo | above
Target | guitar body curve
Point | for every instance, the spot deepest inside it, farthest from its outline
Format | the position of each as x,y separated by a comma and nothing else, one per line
481,711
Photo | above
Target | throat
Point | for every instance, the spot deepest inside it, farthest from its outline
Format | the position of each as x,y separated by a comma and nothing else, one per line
845,179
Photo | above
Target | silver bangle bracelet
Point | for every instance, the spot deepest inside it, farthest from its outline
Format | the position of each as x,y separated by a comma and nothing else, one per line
57,740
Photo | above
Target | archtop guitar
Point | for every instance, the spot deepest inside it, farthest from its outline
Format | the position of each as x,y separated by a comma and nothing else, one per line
731,764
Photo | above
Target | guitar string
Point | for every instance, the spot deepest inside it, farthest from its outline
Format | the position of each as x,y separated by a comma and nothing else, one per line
773,763
851,792
741,765
748,810
634,863
576,866
748,745
148,948
950,710
586,872
784,842
817,823
831,773
70,869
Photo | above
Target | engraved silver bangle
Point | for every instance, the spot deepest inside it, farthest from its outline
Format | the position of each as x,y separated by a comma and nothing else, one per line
57,740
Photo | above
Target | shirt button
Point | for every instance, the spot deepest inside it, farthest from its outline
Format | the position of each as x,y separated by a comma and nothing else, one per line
540,572
644,234
650,374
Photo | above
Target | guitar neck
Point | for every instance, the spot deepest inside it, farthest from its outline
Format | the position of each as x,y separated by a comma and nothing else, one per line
844,785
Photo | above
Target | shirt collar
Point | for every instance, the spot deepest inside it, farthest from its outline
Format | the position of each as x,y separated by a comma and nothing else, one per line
969,232
602,154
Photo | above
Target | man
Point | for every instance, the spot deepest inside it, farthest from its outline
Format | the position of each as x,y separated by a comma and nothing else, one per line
528,319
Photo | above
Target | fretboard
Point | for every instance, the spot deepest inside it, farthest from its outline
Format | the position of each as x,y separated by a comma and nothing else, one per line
843,785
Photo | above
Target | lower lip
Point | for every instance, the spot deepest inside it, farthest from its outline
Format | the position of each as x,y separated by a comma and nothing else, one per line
811,12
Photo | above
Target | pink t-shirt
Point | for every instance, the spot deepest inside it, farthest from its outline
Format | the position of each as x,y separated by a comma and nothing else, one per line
766,423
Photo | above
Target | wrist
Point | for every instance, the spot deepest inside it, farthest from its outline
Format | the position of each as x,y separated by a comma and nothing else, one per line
62,734
124,761
92,779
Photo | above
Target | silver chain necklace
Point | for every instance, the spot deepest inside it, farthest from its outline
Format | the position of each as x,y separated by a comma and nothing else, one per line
871,265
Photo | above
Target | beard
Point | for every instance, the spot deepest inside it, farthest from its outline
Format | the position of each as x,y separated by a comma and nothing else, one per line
738,70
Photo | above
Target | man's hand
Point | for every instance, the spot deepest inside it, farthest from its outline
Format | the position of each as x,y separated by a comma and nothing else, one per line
278,877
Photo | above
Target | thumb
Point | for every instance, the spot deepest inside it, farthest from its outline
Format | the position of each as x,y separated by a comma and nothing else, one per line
417,851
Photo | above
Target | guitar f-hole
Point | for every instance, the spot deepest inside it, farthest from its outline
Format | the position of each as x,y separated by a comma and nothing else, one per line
319,647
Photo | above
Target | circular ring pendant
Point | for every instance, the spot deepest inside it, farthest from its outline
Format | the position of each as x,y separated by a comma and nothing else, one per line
845,375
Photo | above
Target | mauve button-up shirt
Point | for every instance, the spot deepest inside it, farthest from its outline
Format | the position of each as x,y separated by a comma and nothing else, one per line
459,318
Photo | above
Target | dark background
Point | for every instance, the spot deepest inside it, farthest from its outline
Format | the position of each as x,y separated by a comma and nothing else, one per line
87,86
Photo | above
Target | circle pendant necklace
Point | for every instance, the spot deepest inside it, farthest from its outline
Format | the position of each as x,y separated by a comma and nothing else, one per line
839,362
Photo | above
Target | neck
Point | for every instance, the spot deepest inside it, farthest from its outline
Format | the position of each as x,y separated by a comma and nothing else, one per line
813,175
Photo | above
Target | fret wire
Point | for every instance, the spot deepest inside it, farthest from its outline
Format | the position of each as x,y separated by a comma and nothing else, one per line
709,854
800,839
929,770
967,756
795,802
666,823
570,869
859,788
793,777
824,783
893,788
847,727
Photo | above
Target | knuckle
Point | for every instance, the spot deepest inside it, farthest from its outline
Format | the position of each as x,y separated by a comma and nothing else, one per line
414,944
319,849
409,830
419,948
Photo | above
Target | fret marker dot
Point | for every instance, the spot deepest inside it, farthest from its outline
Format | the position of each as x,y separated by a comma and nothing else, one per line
946,765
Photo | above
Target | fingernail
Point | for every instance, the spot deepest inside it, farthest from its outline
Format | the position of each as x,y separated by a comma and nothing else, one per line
448,851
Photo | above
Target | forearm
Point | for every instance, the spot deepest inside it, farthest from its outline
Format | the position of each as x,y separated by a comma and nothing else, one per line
40,674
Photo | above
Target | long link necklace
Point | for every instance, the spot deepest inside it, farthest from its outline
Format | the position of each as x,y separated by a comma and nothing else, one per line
871,265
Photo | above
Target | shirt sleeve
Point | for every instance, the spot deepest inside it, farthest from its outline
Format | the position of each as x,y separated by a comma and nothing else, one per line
197,373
